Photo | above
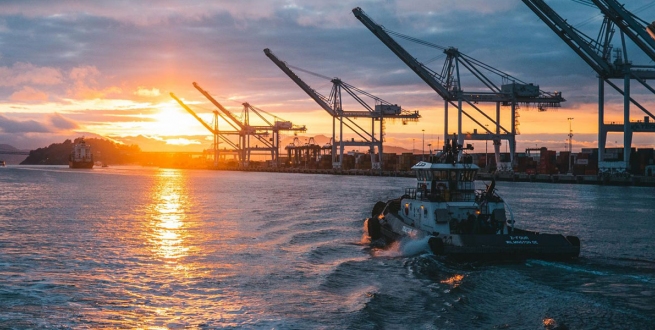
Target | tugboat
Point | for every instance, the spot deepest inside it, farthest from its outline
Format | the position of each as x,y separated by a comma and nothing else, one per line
459,221
81,156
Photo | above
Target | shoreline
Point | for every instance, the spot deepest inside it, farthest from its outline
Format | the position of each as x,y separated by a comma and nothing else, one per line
633,180
638,181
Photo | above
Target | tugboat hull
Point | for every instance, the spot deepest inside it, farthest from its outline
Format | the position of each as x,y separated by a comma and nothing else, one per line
520,244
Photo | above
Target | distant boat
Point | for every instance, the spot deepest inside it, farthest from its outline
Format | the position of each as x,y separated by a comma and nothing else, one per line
2,163
81,156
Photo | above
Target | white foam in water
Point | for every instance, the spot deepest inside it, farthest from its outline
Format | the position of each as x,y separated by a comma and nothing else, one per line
412,247
365,238
405,248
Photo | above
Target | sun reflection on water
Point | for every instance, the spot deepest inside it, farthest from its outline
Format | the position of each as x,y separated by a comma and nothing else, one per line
169,206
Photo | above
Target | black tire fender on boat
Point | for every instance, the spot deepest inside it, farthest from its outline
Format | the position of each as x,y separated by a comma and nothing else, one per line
374,230
377,209
436,245
574,240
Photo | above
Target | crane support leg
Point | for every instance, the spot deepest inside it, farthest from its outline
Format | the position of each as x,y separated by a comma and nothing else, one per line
460,136
602,132
445,122
497,152
627,130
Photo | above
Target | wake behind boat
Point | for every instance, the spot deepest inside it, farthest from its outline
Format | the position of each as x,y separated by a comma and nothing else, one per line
461,222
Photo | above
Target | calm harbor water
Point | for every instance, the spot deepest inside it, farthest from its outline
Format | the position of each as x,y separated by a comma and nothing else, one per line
123,247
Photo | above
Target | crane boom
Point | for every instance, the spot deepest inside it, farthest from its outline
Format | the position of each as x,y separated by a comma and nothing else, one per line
310,91
415,65
570,36
215,132
219,106
193,114
628,24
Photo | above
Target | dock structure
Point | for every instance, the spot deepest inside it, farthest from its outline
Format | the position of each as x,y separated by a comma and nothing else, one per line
610,63
639,181
307,154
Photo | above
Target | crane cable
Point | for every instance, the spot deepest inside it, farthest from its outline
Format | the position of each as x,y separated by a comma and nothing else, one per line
633,13
432,45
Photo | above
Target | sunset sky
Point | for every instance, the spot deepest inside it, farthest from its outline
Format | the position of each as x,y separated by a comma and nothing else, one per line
73,68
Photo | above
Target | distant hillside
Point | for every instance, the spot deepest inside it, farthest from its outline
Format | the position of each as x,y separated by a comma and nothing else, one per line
103,150
11,159
6,147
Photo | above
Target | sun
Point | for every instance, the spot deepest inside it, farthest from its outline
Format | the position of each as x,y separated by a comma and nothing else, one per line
171,120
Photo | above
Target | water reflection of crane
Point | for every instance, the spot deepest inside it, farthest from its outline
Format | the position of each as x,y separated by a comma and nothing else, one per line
265,137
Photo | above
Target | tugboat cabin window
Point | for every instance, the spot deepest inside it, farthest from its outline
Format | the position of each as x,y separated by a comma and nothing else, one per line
468,175
423,175
440,175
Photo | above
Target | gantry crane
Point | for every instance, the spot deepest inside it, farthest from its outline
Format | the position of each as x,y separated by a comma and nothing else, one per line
213,129
631,25
277,125
245,131
334,106
510,92
597,53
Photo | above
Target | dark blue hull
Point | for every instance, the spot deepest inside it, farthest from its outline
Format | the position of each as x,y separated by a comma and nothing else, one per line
519,244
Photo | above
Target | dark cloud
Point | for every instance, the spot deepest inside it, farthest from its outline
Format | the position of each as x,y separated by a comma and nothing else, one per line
62,123
8,125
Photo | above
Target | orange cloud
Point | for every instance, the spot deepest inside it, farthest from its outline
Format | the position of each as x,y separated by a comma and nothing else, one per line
60,122
29,95
142,91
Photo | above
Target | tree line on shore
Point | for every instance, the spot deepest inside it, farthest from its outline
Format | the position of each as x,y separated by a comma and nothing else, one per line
104,151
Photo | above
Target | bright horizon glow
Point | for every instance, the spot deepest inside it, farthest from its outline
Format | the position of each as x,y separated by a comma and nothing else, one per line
169,123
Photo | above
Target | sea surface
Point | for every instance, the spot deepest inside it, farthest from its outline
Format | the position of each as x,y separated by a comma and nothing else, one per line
150,248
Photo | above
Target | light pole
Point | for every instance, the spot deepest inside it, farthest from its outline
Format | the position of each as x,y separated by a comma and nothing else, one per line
570,135
570,119
486,154
423,148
